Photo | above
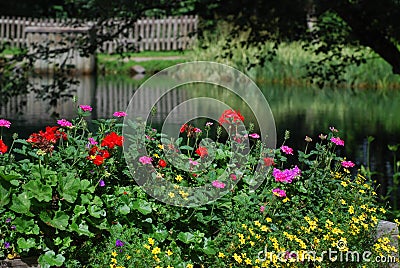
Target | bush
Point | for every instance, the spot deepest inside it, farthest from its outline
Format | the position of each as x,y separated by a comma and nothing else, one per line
70,198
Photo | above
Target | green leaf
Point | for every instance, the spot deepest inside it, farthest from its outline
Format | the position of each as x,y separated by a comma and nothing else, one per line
4,196
186,237
185,147
51,259
124,209
21,204
26,226
60,220
96,211
26,244
81,229
38,190
142,206
69,187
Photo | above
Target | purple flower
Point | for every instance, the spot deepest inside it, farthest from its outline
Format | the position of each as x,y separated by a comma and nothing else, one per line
102,183
5,123
287,175
254,136
287,149
92,141
13,227
64,123
337,141
145,160
218,184
119,114
119,243
6,245
86,108
8,220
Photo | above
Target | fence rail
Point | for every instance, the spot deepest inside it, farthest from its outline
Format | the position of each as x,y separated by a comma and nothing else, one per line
170,33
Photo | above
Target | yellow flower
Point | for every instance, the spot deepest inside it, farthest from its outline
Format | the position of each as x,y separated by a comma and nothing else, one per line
156,155
178,178
170,266
221,255
146,246
114,260
257,223
172,195
151,241
268,219
344,184
285,200
247,261
351,210
382,210
160,146
169,252
156,250
128,257
114,254
237,258
264,228
189,266
343,201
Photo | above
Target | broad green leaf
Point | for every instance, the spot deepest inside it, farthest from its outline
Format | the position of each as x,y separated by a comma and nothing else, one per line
21,204
186,237
51,259
69,187
4,196
25,226
142,206
38,190
124,209
60,220
96,211
81,229
26,244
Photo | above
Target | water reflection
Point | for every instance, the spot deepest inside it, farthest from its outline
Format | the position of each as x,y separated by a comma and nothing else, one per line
303,111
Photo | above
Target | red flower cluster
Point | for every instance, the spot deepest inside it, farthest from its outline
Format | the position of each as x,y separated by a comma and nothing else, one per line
98,156
230,116
162,163
202,151
46,140
3,147
112,140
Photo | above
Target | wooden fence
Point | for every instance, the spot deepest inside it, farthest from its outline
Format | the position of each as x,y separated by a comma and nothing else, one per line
170,33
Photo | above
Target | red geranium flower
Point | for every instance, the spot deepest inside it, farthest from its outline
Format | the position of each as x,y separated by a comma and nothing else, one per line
202,151
162,163
98,156
183,128
3,147
269,161
230,116
45,140
98,160
112,140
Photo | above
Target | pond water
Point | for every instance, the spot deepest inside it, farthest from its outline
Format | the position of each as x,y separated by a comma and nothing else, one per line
302,111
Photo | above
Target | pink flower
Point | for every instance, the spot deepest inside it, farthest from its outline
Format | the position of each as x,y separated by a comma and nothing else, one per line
5,123
218,184
347,164
64,123
209,124
233,177
287,149
262,208
279,192
119,114
287,175
333,129
337,141
86,108
194,163
254,136
197,130
145,160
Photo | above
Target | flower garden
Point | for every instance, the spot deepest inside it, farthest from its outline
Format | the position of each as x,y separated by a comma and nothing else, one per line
69,197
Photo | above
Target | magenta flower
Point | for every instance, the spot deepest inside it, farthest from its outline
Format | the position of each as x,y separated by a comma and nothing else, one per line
92,141
279,192
197,130
64,123
347,164
119,114
145,160
5,123
262,208
287,149
86,108
102,183
209,124
218,184
233,177
287,175
6,245
337,141
254,136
